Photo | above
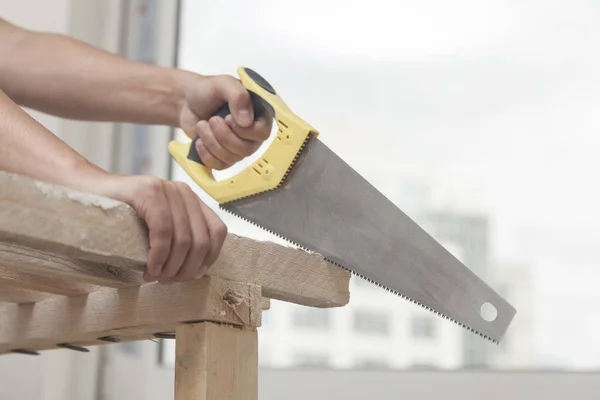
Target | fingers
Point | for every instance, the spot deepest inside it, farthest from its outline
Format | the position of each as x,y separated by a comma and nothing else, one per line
238,98
222,144
208,159
259,131
181,242
154,208
217,232
200,240
186,236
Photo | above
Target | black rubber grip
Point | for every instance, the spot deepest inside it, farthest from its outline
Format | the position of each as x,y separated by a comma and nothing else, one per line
259,105
262,82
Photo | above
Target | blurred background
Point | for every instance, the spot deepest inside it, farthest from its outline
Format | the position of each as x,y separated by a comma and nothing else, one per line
478,119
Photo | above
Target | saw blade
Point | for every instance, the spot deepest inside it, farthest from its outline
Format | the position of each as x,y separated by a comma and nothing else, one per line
326,207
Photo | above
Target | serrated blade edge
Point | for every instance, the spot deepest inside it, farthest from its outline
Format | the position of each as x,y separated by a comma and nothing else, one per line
377,239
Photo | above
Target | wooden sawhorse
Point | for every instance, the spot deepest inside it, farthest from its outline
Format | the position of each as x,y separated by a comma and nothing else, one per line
71,277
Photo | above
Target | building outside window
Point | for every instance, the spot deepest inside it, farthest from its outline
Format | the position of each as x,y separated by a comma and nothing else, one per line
310,359
371,323
311,318
422,327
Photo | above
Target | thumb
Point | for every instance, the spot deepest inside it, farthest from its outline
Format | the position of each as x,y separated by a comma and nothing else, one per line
238,98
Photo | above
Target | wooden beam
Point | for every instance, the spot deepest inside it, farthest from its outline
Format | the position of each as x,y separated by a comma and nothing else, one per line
138,310
24,272
216,362
13,294
56,231
265,303
48,267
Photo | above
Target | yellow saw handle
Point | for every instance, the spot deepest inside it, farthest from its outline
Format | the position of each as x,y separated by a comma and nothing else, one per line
268,171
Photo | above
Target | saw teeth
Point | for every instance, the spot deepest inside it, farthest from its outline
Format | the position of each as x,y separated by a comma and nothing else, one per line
468,328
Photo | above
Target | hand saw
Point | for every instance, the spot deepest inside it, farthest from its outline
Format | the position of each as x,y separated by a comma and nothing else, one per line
301,190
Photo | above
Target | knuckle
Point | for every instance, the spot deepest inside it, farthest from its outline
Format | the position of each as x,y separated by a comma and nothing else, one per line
221,230
153,185
207,158
213,163
182,186
250,148
203,130
263,132
218,127
225,78
201,245
183,241
242,95
163,233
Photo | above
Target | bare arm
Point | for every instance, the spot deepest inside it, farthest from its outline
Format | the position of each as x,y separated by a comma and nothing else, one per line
185,235
28,148
68,78
62,76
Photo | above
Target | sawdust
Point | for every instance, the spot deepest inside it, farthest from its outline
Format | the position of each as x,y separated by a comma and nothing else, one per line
59,192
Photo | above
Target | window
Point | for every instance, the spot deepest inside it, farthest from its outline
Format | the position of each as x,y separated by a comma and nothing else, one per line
423,327
371,323
311,318
310,359
371,363
482,121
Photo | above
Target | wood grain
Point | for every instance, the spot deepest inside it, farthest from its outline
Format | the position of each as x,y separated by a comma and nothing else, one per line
54,231
216,362
152,306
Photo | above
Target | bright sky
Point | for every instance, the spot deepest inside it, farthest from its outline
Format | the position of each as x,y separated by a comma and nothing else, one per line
496,104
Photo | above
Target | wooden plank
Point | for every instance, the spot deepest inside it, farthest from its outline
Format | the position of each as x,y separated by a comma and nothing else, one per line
100,313
46,266
216,362
14,294
93,236
50,284
265,303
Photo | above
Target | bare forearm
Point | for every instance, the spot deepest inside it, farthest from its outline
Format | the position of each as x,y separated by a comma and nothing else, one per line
65,77
28,148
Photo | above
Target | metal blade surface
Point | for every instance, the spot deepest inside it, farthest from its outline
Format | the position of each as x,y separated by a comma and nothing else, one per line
327,207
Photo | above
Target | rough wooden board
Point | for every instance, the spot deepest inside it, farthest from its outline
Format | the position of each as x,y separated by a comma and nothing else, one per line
86,276
98,234
265,303
87,317
284,273
216,362
50,284
11,293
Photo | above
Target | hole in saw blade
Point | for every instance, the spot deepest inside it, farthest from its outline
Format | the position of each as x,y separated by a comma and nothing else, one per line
488,312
